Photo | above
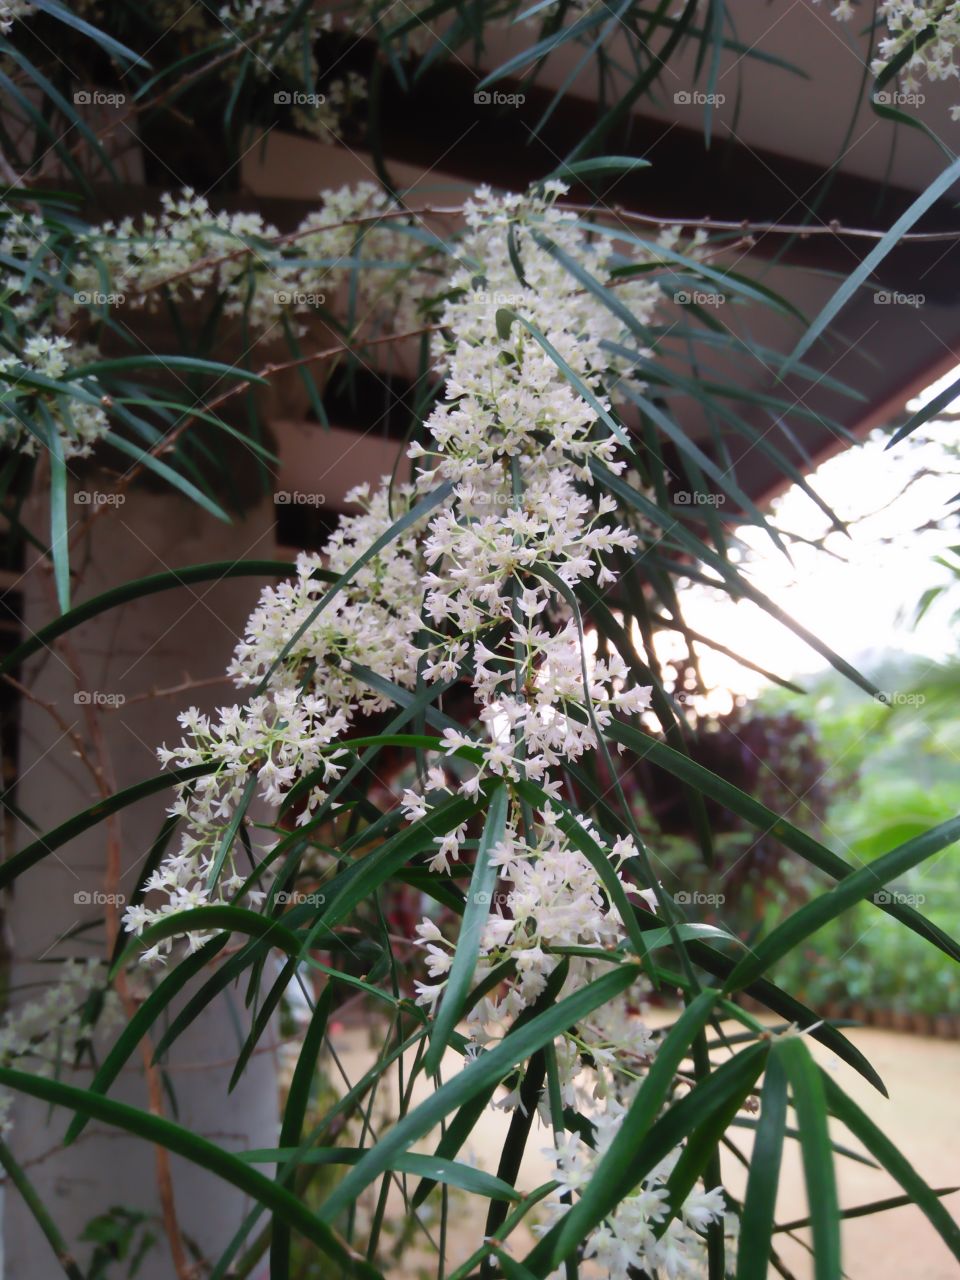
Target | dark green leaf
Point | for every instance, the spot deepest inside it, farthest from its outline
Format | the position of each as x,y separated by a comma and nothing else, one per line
475,915
810,1105
760,1202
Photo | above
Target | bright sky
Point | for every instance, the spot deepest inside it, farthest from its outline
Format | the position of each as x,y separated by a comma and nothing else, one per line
861,604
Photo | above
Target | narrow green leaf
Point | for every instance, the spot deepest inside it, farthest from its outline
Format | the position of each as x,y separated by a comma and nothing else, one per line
204,1154
417,512
760,1202
895,1163
867,1210
230,833
200,919
612,1178
475,915
34,1202
452,1172
139,1025
226,973
599,164
764,819
214,571
545,46
732,579
59,538
47,844
660,1139
458,1130
813,915
298,1099
178,481
939,187
486,1069
106,42
790,1009
187,364
926,412
364,877
810,1104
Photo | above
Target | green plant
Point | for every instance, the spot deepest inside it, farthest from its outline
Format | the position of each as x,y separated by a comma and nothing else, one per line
508,915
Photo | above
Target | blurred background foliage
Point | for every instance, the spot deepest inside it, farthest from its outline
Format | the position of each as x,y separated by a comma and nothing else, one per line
864,775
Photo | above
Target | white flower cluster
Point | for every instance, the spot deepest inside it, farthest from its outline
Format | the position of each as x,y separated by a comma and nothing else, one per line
472,591
627,1243
45,354
78,423
551,900
465,581
930,27
10,11
41,1035
192,251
